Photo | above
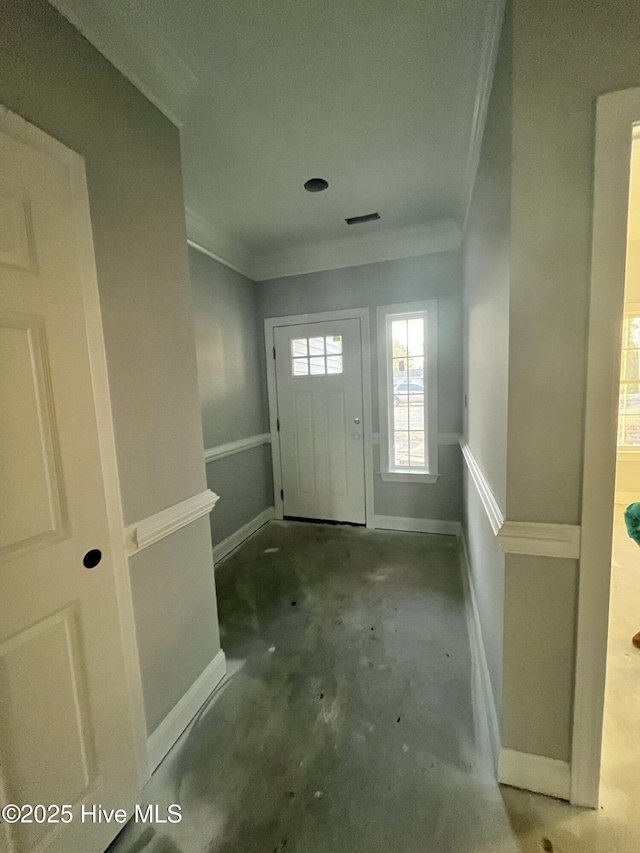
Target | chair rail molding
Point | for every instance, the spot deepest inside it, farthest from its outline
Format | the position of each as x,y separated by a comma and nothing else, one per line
540,539
537,539
150,530
491,505
233,447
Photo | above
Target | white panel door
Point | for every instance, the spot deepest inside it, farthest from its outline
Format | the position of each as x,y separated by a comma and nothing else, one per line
65,727
319,389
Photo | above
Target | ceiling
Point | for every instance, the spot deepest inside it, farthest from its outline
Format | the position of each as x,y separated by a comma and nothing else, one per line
385,100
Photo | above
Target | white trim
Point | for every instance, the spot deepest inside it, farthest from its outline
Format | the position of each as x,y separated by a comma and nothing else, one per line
420,477
131,41
616,114
489,502
361,314
21,130
488,56
417,525
164,523
217,244
484,706
224,548
441,235
428,311
165,736
540,540
234,447
537,773
626,498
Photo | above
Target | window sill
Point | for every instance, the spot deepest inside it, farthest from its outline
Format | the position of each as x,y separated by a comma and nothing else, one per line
421,477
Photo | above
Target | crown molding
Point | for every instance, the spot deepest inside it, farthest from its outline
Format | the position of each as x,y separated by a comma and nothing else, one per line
422,239
488,56
131,41
217,244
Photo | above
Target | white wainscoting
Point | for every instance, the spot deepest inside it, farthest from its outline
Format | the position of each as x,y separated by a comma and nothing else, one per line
538,773
144,533
164,737
537,539
234,447
222,549
417,525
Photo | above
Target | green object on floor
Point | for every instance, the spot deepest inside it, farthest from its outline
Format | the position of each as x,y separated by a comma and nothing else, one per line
632,520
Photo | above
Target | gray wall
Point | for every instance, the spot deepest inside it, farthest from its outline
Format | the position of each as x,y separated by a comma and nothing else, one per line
437,276
486,354
55,79
229,346
564,56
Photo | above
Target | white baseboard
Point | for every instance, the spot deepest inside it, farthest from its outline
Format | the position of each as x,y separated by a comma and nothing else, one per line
537,773
222,549
479,656
164,737
417,525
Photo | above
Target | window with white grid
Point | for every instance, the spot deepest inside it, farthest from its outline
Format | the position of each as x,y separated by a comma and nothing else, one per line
629,403
407,352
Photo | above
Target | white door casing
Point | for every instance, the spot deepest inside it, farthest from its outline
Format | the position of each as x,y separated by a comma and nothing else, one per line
321,434
617,121
66,733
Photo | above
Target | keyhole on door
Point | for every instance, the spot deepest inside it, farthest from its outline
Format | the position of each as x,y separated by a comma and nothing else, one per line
92,558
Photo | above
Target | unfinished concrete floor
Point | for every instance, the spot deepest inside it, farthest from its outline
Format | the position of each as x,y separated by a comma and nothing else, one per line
349,721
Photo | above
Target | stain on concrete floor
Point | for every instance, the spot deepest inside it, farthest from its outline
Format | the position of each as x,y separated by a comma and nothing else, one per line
346,723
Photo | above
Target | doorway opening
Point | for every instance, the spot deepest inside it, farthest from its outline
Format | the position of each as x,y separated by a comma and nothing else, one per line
605,656
620,759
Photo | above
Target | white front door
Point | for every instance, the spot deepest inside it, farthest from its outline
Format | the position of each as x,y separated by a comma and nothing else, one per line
65,726
319,389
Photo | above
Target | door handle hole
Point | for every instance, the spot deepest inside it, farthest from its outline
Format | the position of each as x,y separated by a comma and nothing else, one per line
92,558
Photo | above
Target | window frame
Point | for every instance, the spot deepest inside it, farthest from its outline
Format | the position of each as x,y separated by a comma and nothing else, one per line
428,310
626,451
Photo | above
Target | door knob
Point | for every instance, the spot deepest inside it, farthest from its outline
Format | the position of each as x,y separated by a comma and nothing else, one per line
356,420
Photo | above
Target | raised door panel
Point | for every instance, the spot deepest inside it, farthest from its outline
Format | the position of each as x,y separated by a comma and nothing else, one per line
46,740
29,452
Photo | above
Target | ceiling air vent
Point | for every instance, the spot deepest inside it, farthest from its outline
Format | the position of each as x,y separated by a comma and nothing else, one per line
368,217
